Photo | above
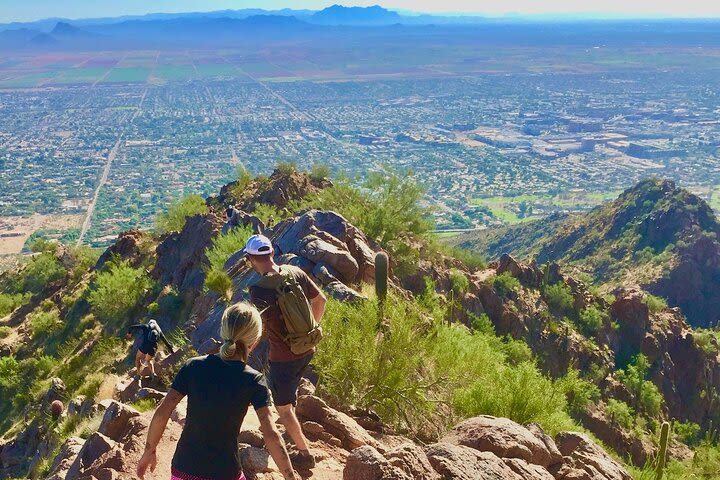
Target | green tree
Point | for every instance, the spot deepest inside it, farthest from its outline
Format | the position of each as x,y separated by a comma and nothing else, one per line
505,284
620,413
647,397
559,297
173,220
117,291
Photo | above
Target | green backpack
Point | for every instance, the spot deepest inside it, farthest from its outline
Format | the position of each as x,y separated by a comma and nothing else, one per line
303,331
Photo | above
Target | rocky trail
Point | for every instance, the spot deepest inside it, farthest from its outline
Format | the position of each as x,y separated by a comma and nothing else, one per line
479,448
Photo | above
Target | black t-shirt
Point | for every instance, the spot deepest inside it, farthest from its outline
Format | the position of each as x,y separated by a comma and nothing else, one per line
219,393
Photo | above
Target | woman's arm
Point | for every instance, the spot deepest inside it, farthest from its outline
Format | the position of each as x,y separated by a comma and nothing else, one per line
275,445
156,430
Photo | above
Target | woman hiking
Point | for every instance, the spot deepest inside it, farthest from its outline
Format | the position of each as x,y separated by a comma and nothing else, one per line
150,336
220,388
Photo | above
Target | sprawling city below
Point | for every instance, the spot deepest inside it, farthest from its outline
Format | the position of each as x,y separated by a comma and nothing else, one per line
95,142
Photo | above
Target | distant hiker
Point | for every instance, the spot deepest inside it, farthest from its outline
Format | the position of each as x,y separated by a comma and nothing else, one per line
220,388
150,335
232,219
292,307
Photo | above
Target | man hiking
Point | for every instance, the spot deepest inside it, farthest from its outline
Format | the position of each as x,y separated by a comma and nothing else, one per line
150,335
292,307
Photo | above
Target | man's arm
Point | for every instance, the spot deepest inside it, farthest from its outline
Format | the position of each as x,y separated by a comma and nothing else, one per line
274,443
317,304
156,430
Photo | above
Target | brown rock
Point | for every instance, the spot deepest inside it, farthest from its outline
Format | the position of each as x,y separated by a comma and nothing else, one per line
128,246
502,437
93,448
65,458
339,424
254,438
527,470
457,462
366,463
115,421
150,393
255,460
412,460
312,428
588,455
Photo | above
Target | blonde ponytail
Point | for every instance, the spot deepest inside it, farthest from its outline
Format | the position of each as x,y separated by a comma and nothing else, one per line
241,324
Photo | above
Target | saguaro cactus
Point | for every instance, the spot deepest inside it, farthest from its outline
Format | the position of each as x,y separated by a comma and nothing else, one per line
382,265
662,454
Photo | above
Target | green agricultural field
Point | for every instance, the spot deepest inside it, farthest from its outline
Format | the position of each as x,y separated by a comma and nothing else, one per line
217,70
128,75
28,80
172,73
81,75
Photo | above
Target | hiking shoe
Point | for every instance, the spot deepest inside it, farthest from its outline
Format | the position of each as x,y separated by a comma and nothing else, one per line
302,460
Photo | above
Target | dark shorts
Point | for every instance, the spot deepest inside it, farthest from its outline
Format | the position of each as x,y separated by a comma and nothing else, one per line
284,379
148,348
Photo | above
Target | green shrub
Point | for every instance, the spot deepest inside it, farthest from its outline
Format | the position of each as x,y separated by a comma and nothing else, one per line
40,271
654,304
580,393
419,364
703,338
222,248
520,393
459,283
590,320
687,432
319,172
144,405
266,211
286,168
117,291
647,398
482,323
9,373
10,301
619,413
173,220
505,284
5,331
469,258
44,324
559,297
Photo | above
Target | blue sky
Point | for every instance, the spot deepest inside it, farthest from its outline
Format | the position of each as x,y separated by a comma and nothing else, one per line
24,10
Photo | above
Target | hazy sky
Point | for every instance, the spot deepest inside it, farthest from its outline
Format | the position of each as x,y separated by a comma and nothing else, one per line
24,10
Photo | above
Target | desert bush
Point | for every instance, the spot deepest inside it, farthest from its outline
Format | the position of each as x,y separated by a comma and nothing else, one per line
654,304
647,397
505,284
687,432
5,331
459,283
421,366
144,405
319,172
117,291
39,272
559,297
222,248
44,324
620,413
10,301
580,393
590,320
173,219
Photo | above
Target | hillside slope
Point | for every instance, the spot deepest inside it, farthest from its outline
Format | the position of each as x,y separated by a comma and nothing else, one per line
655,235
467,372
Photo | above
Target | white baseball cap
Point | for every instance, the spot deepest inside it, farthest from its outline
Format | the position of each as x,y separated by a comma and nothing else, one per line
258,245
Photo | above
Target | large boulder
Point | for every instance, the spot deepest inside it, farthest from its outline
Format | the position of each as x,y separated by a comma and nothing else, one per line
129,246
458,462
327,237
504,438
94,447
65,458
181,255
115,420
412,460
581,453
366,463
339,424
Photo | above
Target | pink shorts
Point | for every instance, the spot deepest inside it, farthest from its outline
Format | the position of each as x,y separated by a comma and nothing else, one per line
177,475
